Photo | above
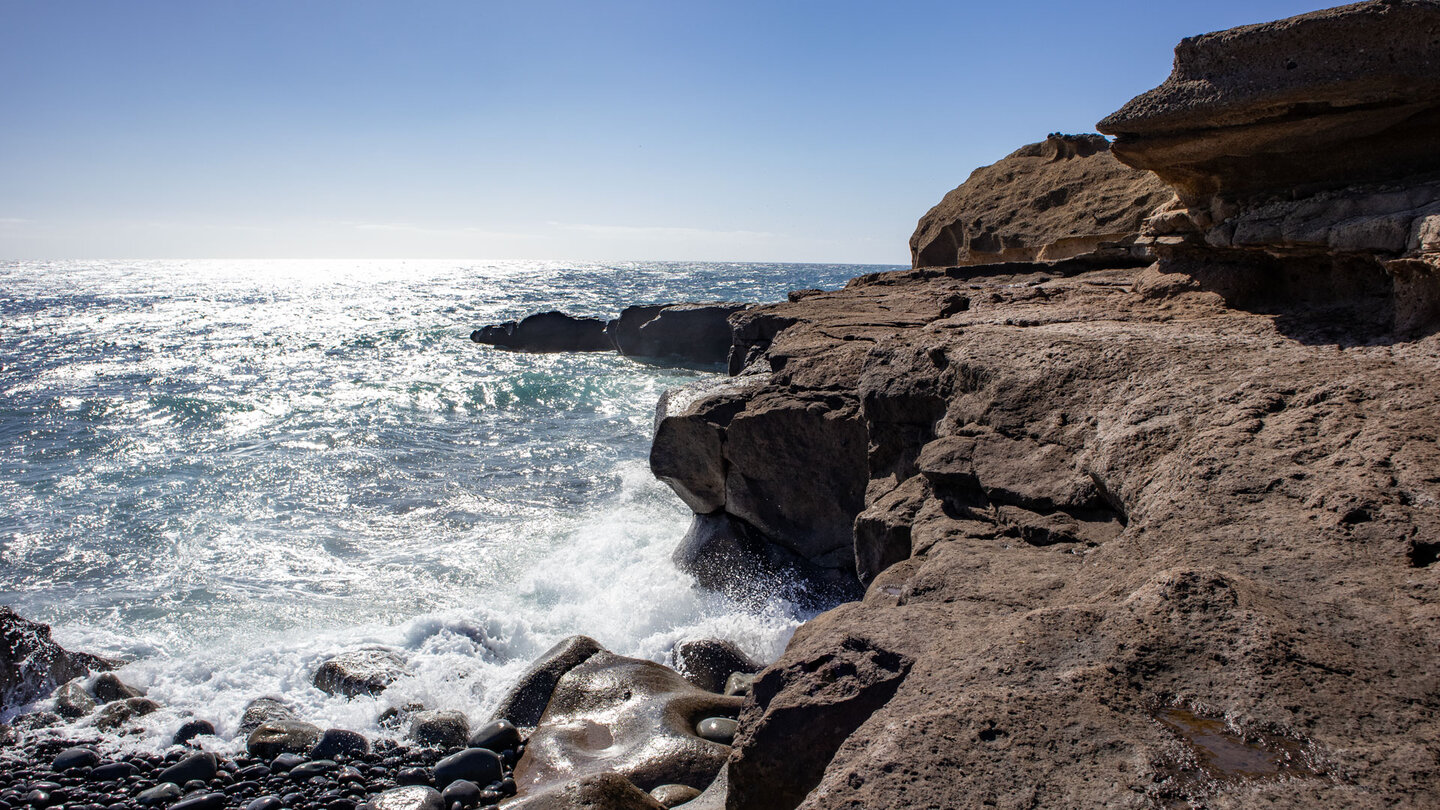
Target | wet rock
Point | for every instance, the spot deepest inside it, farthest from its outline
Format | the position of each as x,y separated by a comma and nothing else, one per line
78,757
718,729
693,335
162,794
709,662
461,791
394,717
600,790
496,735
673,795
624,716
263,710
72,701
547,332
191,729
443,729
38,719
526,701
413,797
739,684
201,801
112,772
284,763
108,688
311,769
1060,199
359,672
479,765
265,803
282,736
337,743
117,714
31,664
201,767
7,735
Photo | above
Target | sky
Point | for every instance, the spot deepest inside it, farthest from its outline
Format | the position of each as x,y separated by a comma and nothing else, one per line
530,129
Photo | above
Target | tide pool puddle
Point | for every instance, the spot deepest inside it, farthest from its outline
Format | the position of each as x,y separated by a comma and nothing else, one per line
1225,756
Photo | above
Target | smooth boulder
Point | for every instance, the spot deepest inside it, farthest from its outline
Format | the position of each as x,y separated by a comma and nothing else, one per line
524,704
277,737
708,662
358,672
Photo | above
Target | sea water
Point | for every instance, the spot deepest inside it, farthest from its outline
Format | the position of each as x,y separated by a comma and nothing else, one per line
225,472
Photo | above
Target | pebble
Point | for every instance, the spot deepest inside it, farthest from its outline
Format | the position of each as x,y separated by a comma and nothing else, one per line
672,795
497,736
198,767
163,793
336,743
72,758
717,729
265,803
479,765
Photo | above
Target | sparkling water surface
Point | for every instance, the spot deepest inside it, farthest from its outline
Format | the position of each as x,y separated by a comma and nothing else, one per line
227,471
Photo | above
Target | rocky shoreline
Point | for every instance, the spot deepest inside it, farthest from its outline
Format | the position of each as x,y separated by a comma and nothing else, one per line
1130,489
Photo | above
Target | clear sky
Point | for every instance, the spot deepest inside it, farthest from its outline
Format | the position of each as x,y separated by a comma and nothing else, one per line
735,130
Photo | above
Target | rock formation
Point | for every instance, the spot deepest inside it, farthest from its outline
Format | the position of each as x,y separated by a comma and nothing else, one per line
675,335
1063,198
31,665
1132,536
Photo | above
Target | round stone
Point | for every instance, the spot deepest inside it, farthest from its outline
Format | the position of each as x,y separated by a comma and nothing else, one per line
671,795
79,757
194,768
479,765
413,797
163,793
338,742
191,730
496,735
282,736
265,803
463,791
718,729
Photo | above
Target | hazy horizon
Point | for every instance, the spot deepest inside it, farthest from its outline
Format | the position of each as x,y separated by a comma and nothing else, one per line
636,131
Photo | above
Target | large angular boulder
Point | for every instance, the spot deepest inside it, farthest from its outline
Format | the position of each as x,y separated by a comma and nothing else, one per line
32,665
1063,198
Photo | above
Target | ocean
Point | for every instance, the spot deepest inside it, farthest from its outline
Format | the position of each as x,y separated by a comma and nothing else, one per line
227,471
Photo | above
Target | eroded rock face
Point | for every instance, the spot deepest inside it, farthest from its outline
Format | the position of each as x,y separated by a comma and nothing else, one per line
524,704
1091,497
1280,107
1063,198
624,716
31,665
684,335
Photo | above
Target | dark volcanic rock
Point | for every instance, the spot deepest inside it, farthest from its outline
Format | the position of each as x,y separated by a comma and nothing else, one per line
527,699
441,728
709,662
339,742
1277,107
120,712
31,665
686,335
197,766
71,700
275,737
497,735
726,554
628,717
1063,198
359,672
192,729
414,797
547,332
264,710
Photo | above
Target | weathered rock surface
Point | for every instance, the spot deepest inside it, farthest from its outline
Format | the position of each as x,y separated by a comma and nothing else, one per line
32,665
708,662
1280,107
547,332
624,716
598,791
1095,497
1063,198
684,335
359,672
524,704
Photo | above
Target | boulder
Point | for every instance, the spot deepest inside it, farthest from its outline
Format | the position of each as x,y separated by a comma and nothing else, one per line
547,332
526,701
1060,199
339,743
695,335
625,716
72,701
709,662
728,555
194,767
31,665
440,728
275,737
411,797
264,710
108,687
121,712
497,735
358,672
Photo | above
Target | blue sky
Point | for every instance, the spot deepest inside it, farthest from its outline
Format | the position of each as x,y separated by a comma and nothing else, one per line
749,131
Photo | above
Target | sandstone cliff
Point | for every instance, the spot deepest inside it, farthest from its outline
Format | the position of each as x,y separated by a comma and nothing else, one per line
1130,537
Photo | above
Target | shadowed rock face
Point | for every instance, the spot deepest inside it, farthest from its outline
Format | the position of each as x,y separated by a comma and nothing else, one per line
546,332
629,717
682,335
31,665
1063,198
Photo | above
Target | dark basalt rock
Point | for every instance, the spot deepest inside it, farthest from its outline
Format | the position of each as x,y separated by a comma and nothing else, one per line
709,662
72,701
337,743
624,716
31,665
496,735
117,714
479,765
359,672
684,335
192,729
599,791
547,332
527,699
443,729
199,767
276,737
264,710
108,688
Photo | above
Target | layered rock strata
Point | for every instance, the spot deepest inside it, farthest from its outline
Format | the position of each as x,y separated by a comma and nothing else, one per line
1065,198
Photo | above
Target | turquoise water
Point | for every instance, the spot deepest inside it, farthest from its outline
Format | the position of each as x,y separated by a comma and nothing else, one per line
225,471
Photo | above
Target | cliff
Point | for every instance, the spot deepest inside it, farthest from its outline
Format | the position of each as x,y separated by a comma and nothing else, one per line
1129,536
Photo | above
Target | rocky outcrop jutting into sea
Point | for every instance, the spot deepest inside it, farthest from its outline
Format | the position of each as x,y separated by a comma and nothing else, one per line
1131,536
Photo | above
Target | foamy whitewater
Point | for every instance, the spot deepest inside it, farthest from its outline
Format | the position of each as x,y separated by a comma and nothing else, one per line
228,471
